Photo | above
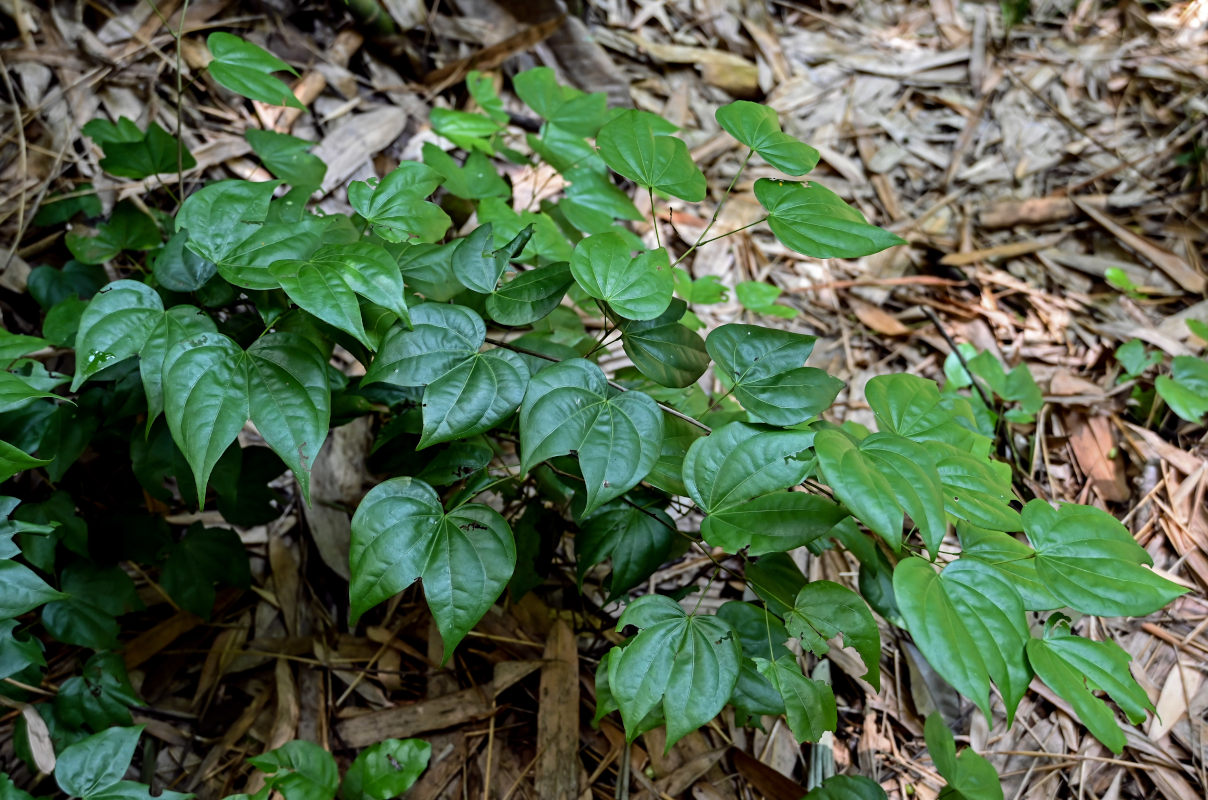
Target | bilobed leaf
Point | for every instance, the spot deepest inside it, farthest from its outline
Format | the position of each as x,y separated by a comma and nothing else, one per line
99,698
637,539
815,221
809,705
1011,558
395,205
400,533
531,295
638,288
96,763
1185,390
441,337
300,770
976,489
385,770
665,351
685,665
570,408
127,228
881,478
757,126
764,365
473,180
482,89
823,610
760,298
1090,562
179,323
248,70
638,145
205,385
1074,668
132,153
289,399
323,292
913,407
474,396
21,590
969,623
222,215
847,787
567,107
115,326
969,775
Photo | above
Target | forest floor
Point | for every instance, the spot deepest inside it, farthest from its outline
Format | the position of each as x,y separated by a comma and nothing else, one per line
1052,183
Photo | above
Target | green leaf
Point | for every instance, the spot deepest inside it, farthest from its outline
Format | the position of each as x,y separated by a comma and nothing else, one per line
969,775
131,153
665,351
1090,562
687,665
179,269
737,462
289,400
530,296
18,654
385,770
771,523
847,787
14,460
760,298
205,385
100,698
133,790
369,270
322,291
473,180
115,326
548,242
1075,668
756,126
474,396
178,324
636,288
913,407
441,337
96,763
477,263
976,489
288,158
638,539
395,205
248,70
223,215
128,228
969,622
17,392
204,557
77,621
823,610
764,366
568,408
704,291
881,478
1011,558
564,106
13,346
400,534
9,790
815,221
638,145
482,89
809,705
464,129
428,270
300,770
1185,390
21,590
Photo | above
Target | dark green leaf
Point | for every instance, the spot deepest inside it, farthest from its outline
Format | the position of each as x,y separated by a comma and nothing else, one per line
323,292
969,775
638,145
179,269
16,392
385,770
474,396
476,261
823,610
638,539
76,621
115,326
128,228
756,126
204,557
809,705
131,153
1011,558
738,462
288,158
400,534
21,590
568,409
248,70
96,763
976,489
771,523
300,770
666,352
636,288
847,787
441,337
913,407
18,654
252,263
222,215
108,588
395,205
815,221
178,324
100,698
530,296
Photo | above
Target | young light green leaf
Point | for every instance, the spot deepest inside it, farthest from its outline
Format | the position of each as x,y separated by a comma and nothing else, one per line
969,775
473,180
531,295
1090,562
300,770
115,326
385,770
809,704
569,408
636,538
1185,390
760,298
881,478
756,126
823,610
564,106
685,665
482,89
764,365
639,146
815,221
205,385
248,70
395,205
1075,668
464,129
969,623
289,400
400,533
638,288
704,291
94,764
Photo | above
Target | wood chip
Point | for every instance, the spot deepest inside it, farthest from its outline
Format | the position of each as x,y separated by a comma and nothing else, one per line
557,771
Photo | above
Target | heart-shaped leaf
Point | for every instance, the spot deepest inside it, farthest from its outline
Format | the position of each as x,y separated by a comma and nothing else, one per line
809,705
815,221
395,205
115,326
639,146
638,288
757,126
248,70
530,296
823,610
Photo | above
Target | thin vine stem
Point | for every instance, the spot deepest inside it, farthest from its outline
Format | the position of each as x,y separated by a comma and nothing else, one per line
717,211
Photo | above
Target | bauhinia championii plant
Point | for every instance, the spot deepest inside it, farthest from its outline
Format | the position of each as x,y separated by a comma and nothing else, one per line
498,416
